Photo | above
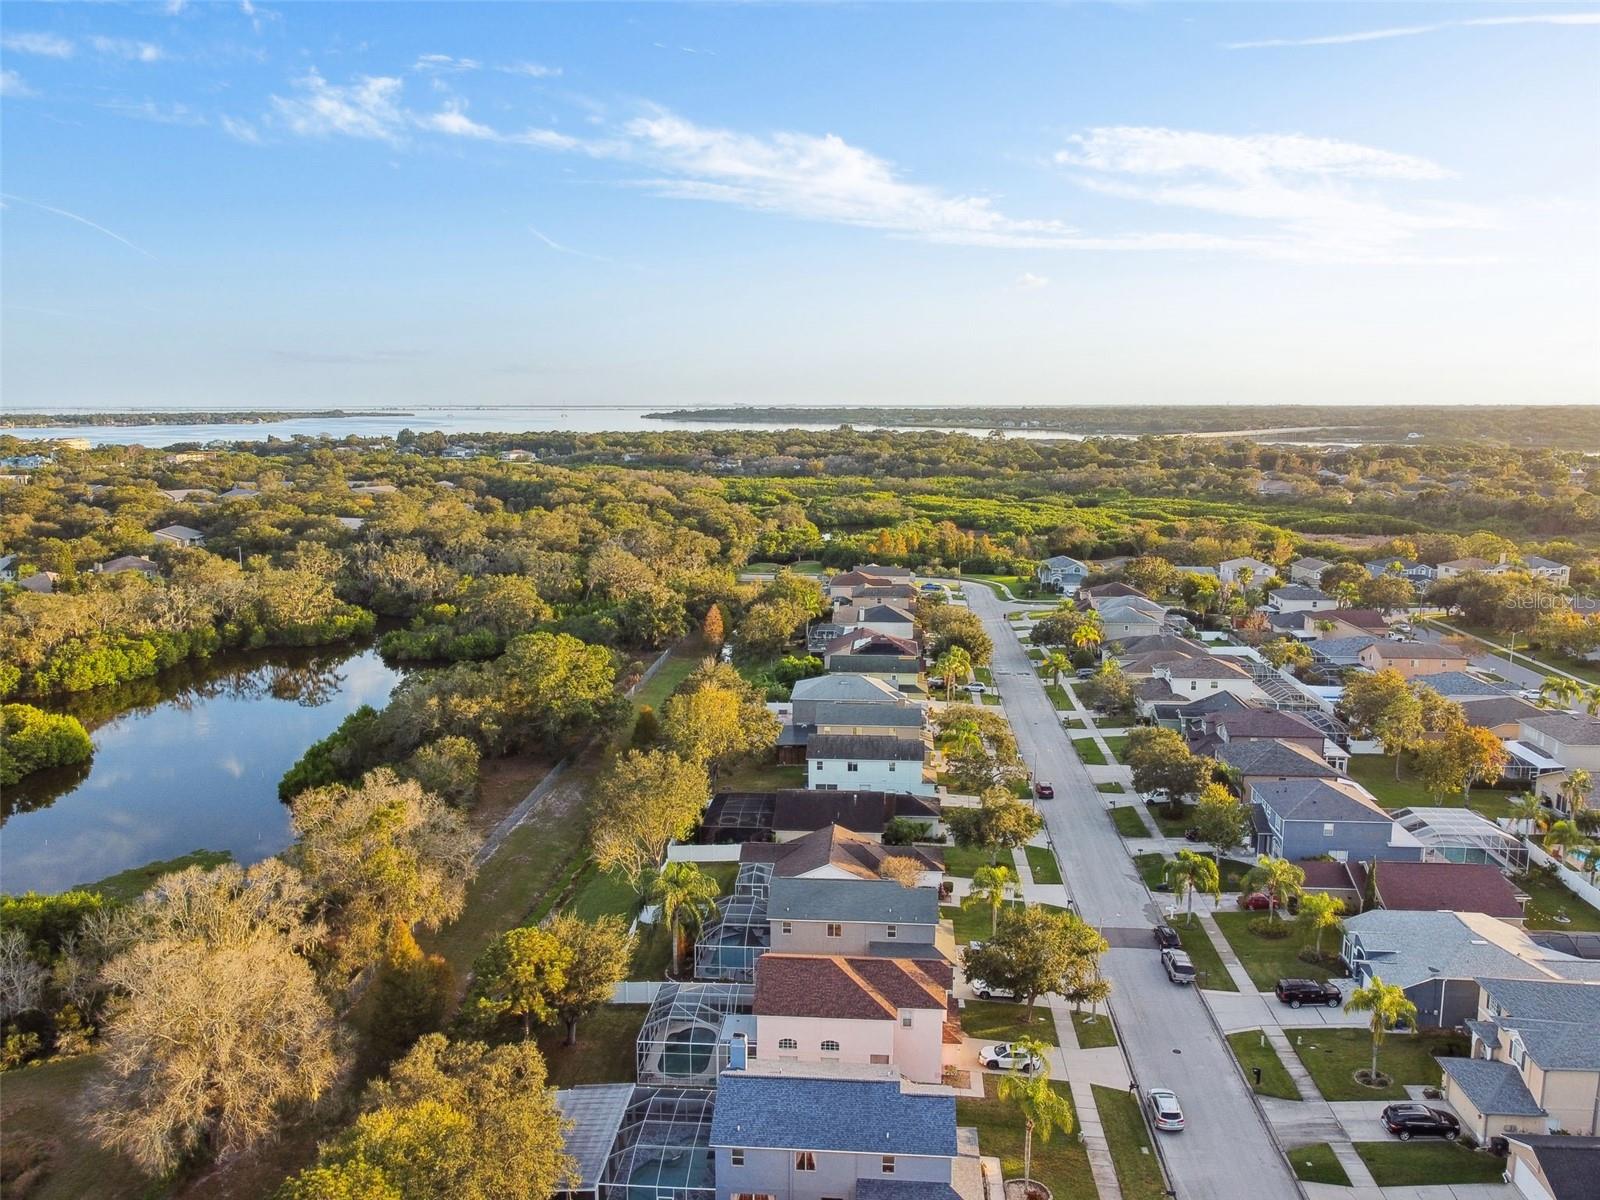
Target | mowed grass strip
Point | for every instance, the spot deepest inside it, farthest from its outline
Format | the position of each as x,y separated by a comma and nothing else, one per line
1128,821
1316,1163
1043,865
1061,1163
1002,1021
1252,1050
1089,752
1207,962
1128,1138
1094,1030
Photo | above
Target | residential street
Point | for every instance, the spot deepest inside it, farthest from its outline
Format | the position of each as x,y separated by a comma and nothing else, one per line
1226,1152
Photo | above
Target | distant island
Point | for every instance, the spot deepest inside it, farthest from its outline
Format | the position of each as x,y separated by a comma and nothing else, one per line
1568,427
255,416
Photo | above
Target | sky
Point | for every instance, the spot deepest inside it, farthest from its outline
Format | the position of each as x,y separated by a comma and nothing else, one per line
241,204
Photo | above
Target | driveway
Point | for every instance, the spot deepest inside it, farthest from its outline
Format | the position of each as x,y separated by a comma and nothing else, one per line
1226,1153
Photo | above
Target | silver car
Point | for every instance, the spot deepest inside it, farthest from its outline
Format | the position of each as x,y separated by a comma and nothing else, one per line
1164,1111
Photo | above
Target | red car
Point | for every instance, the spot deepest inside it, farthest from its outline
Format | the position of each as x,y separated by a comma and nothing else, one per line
1257,901
1044,791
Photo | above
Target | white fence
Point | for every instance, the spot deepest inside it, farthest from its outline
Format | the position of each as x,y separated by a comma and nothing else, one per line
693,852
1574,882
637,991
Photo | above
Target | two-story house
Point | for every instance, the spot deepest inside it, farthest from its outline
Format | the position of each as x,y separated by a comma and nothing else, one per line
1195,677
1414,660
1299,597
1418,573
1236,726
1237,570
1061,573
1547,568
877,617
1123,618
1572,740
1308,570
834,1008
858,916
787,814
835,852
867,762
1268,760
894,660
1310,818
1535,1060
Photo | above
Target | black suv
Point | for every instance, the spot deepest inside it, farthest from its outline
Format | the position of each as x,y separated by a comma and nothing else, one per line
1407,1121
1167,937
1295,992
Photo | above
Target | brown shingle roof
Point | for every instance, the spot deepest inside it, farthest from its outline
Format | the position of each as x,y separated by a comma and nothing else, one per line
834,846
1442,887
831,985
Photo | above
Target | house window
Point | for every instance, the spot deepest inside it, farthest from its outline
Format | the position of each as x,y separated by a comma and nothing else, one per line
736,1156
830,1047
1327,829
835,929
888,1164
805,1161
890,932
878,1059
905,1020
788,928
788,1044
850,766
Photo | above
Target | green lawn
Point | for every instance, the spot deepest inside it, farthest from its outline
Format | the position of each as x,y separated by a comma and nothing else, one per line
1151,868
42,1115
1419,1164
984,675
1375,772
1207,962
129,885
1547,897
604,1052
990,699
1072,723
1042,862
1334,1055
762,777
964,860
1170,826
652,953
1000,1021
1267,959
1233,872
1093,1029
1059,698
971,921
1061,1164
1316,1164
604,893
1128,1138
1088,750
1115,789
1128,821
1252,1051
1117,744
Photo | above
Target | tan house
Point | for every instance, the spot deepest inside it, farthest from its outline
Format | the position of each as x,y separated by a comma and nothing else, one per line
1412,659
1535,1060
1551,1167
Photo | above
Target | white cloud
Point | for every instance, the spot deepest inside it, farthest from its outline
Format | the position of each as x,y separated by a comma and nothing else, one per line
242,131
1404,31
127,48
455,122
444,62
48,45
532,69
1144,150
13,85
174,7
368,108
1029,282
151,110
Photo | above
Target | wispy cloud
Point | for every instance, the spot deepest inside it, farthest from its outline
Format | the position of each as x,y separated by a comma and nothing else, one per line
72,216
241,131
151,110
1405,31
14,86
559,248
368,108
1029,282
49,45
445,62
532,69
127,48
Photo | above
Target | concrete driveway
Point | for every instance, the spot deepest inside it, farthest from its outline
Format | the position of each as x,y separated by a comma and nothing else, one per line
1226,1153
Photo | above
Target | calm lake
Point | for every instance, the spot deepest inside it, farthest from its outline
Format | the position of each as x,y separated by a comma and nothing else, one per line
187,760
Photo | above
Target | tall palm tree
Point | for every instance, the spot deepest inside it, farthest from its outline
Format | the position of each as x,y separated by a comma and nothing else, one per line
1058,664
1525,810
1190,873
1575,790
1591,701
1320,912
1044,1110
964,735
1558,691
954,661
991,888
1564,837
688,899
1388,1005
1088,635
1279,878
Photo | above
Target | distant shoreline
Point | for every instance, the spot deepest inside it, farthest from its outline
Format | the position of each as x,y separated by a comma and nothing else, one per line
264,416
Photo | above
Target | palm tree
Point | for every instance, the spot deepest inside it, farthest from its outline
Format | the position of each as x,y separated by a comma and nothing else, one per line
964,735
954,661
1279,878
1575,790
991,886
1563,838
1190,873
1088,635
1320,912
1558,691
688,899
1058,664
1591,701
1044,1110
1388,1005
1525,810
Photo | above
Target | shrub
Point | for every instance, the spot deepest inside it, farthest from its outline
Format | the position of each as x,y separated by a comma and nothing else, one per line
1270,928
31,740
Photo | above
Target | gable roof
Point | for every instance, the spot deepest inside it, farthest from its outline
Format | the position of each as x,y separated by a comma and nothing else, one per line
178,532
876,900
1320,800
1442,886
865,641
884,572
1063,562
845,614
1214,702
1361,618
1252,722
856,712
1431,650
1125,608
1468,564
1535,562
1569,729
1164,643
128,562
1556,1020
1495,1088
1311,563
865,747
1271,758
1460,685
1408,948
859,688
1299,591
1209,667
1109,590
846,989
830,1107
836,846
1570,1164
1497,710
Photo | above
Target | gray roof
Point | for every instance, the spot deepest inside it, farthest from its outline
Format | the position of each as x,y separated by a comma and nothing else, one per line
1407,948
872,900
1570,1164
1152,643
868,663
1557,1021
1536,562
1458,685
1488,711
1496,1089
904,1189
848,712
865,747
1345,647
1318,800
841,686
596,1113
1299,591
1063,562
1274,758
1205,668
847,1113
1486,1032
1311,563
1569,729
182,532
1437,651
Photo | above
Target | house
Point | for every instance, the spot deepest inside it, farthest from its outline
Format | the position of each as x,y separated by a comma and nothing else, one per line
1160,643
1108,591
1570,740
1501,715
893,574
513,456
1297,597
836,1008
903,594
890,619
790,813
858,916
1301,624
893,660
1352,622
1436,958
8,567
1552,1166
1412,659
1310,818
844,688
1308,570
834,852
1465,566
1339,651
844,585
188,495
1535,1060
1233,571
240,491
1255,724
42,583
1547,568
373,489
1257,760
1061,573
871,720
866,762
128,562
180,535
1418,573
827,1131
353,524
1463,686
1442,887
1125,617
1195,676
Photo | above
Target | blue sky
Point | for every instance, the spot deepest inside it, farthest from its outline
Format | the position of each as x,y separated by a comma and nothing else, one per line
244,204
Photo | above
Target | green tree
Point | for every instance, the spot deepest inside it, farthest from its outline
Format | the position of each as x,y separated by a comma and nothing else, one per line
716,718
1383,706
1044,1110
601,951
1576,789
955,663
31,740
1221,820
1036,951
1058,664
1000,822
1319,912
522,974
688,899
991,887
1162,762
411,995
1388,1006
1279,878
1189,873
643,802
1563,837
1524,810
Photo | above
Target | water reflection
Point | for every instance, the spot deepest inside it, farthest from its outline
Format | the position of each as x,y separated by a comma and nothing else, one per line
187,760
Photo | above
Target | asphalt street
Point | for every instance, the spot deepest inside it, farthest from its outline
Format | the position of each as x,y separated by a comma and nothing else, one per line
1226,1151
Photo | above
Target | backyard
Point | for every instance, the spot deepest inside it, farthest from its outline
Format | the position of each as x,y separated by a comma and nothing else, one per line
604,1051
1547,897
1333,1056
1375,772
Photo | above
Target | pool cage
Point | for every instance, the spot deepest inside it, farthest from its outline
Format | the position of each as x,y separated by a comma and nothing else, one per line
729,946
663,1150
1460,835
687,1035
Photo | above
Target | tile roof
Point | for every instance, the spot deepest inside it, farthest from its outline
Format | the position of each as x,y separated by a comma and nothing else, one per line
784,1106
845,989
1496,1089
866,747
1442,886
1319,800
874,901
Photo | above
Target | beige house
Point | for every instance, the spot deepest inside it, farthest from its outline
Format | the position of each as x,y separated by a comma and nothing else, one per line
1412,659
1552,1167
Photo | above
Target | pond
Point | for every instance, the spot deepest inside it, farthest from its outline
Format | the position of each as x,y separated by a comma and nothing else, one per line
187,760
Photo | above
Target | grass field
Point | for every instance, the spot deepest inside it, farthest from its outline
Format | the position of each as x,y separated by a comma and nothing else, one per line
1061,1164
1268,959
1088,750
964,860
1151,867
1060,699
1093,1029
1118,745
604,1052
131,884
971,921
1251,1051
1169,826
1547,897
1128,1138
1207,962
1001,1021
762,777
1128,821
1114,789
1316,1164
1042,863
1334,1055
1420,1164
1375,772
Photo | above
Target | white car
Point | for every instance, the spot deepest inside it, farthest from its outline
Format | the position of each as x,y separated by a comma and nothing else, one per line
976,689
1164,1110
990,991
1008,1056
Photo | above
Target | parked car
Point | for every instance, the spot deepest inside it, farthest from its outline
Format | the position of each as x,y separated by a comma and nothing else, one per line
1257,901
976,689
1179,968
1008,1056
936,681
988,991
1165,1113
1407,1121
1086,672
1167,936
1044,791
1295,992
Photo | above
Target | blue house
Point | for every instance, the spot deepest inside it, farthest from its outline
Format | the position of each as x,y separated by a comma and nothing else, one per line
1061,573
1308,817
